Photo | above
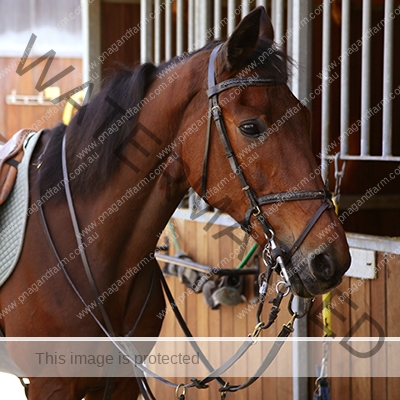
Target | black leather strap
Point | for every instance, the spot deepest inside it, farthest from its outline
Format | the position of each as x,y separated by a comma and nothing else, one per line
284,197
81,247
294,196
13,162
324,206
238,82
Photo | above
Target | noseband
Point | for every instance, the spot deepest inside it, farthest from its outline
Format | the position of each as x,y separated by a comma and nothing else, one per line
255,202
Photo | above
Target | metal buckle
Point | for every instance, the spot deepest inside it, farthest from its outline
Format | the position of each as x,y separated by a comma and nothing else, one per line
256,211
216,108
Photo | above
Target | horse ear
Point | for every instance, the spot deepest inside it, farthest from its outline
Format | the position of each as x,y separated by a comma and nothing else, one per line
243,40
266,28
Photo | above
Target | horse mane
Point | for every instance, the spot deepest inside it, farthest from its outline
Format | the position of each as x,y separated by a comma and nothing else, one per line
87,133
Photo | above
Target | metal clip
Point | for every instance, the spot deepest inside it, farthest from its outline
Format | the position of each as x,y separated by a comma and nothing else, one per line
257,330
224,392
263,288
289,325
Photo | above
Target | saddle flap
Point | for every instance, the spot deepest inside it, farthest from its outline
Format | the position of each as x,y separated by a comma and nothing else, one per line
11,154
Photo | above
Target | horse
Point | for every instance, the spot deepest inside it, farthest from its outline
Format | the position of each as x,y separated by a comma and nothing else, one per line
131,154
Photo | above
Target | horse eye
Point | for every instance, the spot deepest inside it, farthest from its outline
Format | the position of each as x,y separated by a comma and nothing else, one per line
249,129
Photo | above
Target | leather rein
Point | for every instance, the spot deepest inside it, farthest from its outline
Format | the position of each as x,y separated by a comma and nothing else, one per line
272,257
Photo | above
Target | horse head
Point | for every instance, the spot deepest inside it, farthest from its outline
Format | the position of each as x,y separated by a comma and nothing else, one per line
269,173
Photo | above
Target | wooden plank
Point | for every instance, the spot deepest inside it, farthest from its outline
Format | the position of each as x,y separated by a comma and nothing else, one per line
189,246
360,386
341,387
240,324
378,313
202,310
214,316
393,324
227,315
4,63
168,328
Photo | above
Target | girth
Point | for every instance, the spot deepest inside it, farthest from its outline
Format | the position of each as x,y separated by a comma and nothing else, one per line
254,202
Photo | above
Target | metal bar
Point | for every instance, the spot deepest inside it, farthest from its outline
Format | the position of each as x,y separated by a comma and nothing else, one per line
245,7
301,87
231,16
203,268
387,80
168,30
345,79
191,25
157,33
325,100
217,19
365,77
146,32
262,3
366,158
277,18
179,27
91,22
289,39
202,22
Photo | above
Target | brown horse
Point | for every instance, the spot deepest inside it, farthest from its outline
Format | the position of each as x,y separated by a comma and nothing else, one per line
125,188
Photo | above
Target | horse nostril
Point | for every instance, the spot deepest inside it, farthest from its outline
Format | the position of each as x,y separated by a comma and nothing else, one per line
322,266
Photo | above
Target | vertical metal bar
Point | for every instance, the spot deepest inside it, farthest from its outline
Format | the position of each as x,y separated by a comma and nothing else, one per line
146,32
301,48
231,16
202,13
345,79
365,77
157,33
277,18
245,7
91,23
168,30
191,25
289,39
217,19
325,99
387,80
179,27
201,18
301,86
262,3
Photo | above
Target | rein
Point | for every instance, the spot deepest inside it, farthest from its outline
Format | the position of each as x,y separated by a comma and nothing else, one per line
272,256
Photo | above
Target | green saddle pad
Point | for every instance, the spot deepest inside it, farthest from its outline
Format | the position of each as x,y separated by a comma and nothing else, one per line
14,213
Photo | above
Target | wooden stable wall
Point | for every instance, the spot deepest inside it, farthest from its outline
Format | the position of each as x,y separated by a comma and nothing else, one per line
15,117
202,321
377,298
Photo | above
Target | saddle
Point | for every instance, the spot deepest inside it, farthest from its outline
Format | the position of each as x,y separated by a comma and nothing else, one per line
11,154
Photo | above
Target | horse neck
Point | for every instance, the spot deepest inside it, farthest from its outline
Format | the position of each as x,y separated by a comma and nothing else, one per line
157,185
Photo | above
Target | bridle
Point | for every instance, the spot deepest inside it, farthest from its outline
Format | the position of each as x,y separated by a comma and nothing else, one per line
277,254
272,255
